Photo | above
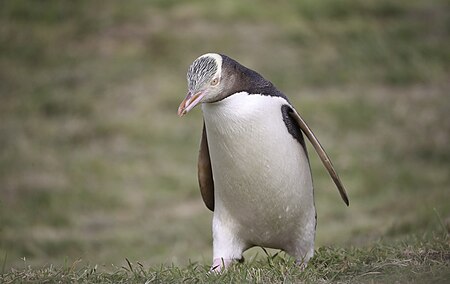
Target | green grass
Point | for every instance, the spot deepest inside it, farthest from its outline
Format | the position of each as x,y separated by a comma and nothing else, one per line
95,165
410,261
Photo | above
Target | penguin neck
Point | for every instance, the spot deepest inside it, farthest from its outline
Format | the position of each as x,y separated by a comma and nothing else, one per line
246,80
230,114
239,112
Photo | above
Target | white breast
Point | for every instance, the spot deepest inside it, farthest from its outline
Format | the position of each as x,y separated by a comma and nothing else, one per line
261,173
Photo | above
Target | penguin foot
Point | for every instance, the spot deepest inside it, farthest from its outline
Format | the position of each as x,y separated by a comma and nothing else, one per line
220,264
301,263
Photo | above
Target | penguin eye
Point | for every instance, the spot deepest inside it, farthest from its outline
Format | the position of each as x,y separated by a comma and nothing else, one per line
214,82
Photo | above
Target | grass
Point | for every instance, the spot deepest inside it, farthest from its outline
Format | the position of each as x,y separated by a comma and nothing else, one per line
410,261
95,165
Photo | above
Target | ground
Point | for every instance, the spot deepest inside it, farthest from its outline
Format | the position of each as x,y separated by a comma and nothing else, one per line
96,167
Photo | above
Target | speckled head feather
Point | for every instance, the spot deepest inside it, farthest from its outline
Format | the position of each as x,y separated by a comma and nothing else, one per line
203,69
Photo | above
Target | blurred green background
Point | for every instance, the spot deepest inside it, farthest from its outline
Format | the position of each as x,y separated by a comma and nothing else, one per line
95,164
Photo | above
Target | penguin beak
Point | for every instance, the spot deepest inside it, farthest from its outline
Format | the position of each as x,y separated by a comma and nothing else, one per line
190,102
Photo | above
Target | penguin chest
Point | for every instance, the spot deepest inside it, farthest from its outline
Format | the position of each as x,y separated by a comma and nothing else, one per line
261,173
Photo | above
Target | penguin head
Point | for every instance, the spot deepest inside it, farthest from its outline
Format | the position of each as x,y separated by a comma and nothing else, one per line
205,82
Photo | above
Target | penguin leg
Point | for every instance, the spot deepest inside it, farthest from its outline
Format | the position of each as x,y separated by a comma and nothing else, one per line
302,252
303,246
227,246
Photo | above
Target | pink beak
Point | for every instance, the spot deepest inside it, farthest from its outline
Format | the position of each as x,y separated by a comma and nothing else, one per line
189,103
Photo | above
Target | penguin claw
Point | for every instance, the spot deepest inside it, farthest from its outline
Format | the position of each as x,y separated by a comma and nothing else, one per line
220,265
301,264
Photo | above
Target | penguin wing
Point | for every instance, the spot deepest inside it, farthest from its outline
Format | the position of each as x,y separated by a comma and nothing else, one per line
321,152
205,176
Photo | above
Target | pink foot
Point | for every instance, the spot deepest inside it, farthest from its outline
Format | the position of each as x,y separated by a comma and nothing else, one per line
220,264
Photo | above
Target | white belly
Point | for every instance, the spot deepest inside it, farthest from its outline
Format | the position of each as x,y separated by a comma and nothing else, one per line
262,179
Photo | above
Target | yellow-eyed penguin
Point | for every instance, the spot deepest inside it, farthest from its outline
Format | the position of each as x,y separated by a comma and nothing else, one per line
253,168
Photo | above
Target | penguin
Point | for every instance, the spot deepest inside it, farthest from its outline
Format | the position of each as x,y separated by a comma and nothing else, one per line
253,165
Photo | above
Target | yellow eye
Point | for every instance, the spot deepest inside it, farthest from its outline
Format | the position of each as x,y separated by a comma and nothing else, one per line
215,82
